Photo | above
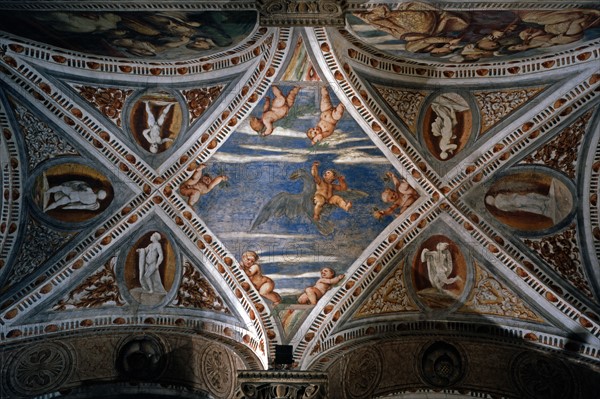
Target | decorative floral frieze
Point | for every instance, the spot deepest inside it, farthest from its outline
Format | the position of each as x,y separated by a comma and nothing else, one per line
496,105
392,296
561,252
108,100
40,242
42,143
561,152
198,100
302,12
406,103
491,297
99,289
196,292
281,385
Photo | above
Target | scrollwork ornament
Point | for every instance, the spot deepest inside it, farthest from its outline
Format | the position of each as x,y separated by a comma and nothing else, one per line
39,368
217,370
311,391
542,377
362,373
248,391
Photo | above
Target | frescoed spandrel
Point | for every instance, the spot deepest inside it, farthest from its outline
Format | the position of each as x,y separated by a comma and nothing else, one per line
72,192
439,272
447,125
160,35
156,120
529,201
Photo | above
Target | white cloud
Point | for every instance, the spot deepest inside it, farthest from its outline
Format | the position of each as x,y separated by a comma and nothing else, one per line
281,276
354,156
245,235
292,258
237,158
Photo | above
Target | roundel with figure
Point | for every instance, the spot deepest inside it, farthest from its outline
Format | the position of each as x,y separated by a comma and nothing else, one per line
71,192
447,125
150,268
155,122
439,272
529,200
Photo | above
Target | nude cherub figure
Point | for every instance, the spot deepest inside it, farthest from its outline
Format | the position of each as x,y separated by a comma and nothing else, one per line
329,118
312,294
262,283
325,186
402,196
199,184
273,111
152,133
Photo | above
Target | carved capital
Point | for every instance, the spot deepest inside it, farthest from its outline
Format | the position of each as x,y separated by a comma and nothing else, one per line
302,12
281,385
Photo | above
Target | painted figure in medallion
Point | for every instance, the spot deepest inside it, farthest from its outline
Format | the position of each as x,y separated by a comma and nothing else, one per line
446,107
312,294
73,194
152,133
439,266
149,261
262,283
273,111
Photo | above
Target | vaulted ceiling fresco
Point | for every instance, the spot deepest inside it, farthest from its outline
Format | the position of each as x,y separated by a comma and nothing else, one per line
417,188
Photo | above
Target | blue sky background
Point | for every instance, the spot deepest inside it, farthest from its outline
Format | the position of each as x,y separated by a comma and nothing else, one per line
292,252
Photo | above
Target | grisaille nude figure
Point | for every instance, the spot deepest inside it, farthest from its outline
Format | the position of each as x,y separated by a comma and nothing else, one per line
152,133
445,107
73,194
149,261
439,265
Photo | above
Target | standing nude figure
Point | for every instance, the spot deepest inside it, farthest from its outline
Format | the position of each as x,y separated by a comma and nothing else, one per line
272,112
152,134
149,260
325,186
329,118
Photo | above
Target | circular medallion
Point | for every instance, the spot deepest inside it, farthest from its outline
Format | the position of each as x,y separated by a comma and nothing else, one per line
39,368
542,377
217,369
441,365
530,200
363,372
141,358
